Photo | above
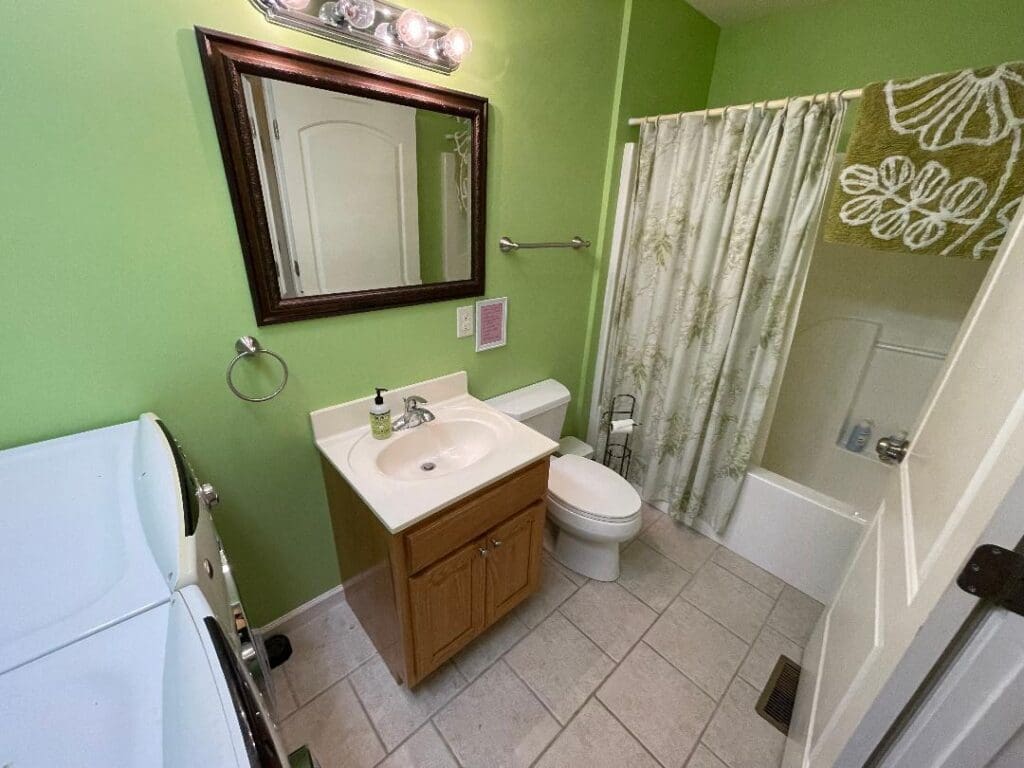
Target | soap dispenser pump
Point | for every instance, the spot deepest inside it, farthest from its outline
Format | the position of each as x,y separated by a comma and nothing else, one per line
380,417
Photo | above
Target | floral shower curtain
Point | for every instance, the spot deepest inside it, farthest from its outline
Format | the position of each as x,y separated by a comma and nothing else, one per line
723,216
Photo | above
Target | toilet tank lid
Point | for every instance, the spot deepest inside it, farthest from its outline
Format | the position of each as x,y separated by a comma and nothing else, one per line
524,403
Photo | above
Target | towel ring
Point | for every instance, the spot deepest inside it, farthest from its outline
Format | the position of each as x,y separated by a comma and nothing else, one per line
248,346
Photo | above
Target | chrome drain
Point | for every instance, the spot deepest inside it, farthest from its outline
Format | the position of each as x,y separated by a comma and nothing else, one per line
427,466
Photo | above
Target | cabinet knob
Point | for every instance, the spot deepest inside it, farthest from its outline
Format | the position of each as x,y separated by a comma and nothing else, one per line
495,543
483,552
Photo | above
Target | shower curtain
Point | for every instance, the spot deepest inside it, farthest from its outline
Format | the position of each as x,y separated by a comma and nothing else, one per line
723,218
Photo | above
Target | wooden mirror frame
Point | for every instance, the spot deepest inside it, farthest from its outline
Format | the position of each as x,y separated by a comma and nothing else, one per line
226,58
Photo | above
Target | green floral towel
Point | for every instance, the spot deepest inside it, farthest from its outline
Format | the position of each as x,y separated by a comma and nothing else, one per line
934,165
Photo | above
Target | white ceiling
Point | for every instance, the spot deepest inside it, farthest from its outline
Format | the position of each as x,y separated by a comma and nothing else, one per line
726,12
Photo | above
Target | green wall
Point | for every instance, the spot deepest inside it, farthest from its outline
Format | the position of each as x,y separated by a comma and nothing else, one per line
668,52
849,43
123,286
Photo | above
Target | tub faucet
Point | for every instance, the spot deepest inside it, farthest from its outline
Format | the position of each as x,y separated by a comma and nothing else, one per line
414,415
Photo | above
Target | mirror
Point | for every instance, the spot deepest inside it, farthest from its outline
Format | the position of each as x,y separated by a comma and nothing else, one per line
352,190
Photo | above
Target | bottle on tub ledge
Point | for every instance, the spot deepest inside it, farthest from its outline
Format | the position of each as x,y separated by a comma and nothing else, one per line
860,436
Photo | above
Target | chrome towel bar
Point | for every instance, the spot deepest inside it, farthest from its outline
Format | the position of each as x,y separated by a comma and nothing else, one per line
507,244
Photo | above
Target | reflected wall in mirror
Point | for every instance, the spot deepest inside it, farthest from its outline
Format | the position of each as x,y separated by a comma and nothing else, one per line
353,190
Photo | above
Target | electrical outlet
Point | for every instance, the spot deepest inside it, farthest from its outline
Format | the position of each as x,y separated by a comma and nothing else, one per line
464,318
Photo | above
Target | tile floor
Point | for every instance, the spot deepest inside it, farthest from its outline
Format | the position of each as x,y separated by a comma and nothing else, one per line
661,668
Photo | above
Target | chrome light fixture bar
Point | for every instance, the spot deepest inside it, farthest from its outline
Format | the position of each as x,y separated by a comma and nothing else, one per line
377,26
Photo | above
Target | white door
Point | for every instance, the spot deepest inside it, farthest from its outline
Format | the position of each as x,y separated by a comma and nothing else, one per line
869,651
347,167
970,713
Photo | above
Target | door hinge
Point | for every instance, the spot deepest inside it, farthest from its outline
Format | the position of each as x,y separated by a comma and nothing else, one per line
995,574
298,272
277,131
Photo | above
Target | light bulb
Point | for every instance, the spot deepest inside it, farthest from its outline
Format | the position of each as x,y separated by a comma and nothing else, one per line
358,13
383,32
329,13
456,44
293,5
412,28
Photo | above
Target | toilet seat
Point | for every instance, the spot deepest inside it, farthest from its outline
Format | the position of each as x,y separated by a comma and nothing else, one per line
592,491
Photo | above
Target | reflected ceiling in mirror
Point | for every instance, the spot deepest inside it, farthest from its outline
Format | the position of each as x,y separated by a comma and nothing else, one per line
353,190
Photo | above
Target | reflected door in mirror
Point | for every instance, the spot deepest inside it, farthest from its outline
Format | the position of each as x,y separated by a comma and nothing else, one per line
361,194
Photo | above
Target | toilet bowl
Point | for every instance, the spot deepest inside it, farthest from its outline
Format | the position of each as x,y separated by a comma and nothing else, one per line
593,509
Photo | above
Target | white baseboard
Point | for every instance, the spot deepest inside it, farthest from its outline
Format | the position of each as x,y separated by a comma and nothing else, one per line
308,610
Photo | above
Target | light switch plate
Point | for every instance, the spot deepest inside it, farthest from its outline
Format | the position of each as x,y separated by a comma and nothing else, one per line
464,322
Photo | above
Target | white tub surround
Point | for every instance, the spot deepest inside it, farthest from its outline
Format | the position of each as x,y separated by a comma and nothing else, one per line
469,443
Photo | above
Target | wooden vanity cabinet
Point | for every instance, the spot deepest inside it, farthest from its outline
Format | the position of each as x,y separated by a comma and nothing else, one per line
424,593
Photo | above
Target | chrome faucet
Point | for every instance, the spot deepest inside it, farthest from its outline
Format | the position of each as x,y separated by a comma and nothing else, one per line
414,415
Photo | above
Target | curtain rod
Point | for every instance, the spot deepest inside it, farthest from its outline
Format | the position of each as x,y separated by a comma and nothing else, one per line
847,94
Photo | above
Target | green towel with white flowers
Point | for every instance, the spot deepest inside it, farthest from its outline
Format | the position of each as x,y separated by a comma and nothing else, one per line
934,165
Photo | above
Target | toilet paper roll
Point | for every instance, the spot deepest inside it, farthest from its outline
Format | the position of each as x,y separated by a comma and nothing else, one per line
621,426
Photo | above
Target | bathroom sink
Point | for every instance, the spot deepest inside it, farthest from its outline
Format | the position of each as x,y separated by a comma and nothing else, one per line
418,471
437,448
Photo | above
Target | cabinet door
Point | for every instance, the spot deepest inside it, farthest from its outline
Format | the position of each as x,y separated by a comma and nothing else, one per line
513,565
447,606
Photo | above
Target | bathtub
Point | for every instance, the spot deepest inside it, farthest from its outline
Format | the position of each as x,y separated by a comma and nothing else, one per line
804,537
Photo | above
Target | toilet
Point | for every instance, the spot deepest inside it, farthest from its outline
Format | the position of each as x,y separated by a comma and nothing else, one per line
593,509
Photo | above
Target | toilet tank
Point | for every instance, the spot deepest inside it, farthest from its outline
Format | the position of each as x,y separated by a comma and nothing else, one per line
541,406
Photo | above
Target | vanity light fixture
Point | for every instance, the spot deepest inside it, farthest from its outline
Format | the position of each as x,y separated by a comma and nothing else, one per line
377,26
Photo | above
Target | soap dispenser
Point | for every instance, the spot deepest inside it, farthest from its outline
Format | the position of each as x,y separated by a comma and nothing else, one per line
380,417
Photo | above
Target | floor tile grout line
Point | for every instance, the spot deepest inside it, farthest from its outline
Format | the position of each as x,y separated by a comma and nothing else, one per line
291,692
689,577
595,698
635,736
628,650
668,661
712,618
345,676
748,581
465,684
666,555
671,599
428,723
597,644
615,665
444,740
718,705
614,669
540,701
373,725
717,700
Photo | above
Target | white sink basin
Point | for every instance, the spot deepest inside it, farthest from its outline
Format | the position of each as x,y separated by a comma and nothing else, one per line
437,448
418,471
